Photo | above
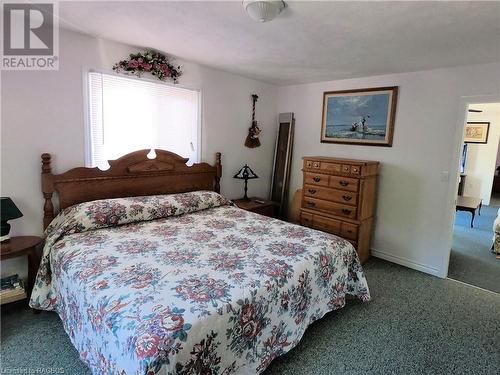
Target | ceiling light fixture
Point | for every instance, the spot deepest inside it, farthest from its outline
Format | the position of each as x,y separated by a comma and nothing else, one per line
263,11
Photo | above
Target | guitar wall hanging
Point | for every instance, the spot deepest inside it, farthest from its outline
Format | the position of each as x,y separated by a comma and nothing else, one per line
252,140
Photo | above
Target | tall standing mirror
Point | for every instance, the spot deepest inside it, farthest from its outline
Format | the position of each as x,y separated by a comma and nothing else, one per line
282,162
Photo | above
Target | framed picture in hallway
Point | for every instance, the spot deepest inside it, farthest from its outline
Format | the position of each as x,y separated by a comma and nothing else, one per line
476,132
362,116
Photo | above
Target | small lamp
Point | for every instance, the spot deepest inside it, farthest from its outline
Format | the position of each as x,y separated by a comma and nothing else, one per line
246,174
8,211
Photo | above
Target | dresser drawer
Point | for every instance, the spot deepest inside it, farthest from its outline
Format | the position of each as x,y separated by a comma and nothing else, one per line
306,219
338,209
346,168
344,183
322,223
339,196
266,211
316,179
349,231
312,164
355,169
326,224
330,167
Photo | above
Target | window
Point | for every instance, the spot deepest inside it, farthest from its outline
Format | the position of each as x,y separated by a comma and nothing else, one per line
128,114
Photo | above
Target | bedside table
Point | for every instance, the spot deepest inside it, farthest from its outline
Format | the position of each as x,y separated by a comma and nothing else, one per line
20,246
258,205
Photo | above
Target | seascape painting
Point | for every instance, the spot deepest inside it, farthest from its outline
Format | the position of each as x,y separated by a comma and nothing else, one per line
359,116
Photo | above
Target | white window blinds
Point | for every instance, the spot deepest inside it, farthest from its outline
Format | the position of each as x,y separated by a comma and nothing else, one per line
127,114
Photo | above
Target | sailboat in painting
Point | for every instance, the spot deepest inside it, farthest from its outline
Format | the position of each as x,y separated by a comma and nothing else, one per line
363,128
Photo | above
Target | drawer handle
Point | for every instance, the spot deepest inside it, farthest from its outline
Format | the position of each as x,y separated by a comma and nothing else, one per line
347,197
349,231
312,204
343,183
346,211
312,191
305,219
317,179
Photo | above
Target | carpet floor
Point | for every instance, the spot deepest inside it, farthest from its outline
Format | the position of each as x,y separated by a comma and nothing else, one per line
415,324
471,260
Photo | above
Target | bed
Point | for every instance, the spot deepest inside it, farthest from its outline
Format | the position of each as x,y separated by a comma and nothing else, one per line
152,271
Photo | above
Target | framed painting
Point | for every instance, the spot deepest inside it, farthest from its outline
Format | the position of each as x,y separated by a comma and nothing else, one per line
476,132
363,116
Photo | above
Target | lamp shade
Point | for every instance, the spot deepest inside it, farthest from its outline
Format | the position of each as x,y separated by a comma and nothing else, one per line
245,173
8,210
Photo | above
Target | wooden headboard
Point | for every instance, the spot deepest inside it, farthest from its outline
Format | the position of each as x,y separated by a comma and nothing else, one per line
133,174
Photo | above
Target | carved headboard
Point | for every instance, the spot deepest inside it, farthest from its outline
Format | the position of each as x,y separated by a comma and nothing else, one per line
131,175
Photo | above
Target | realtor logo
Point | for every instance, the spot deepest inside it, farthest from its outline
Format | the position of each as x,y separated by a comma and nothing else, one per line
30,36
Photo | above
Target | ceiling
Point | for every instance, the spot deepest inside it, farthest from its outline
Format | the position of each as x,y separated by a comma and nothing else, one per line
310,41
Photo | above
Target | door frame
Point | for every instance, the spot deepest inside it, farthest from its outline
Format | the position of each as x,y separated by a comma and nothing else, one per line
458,139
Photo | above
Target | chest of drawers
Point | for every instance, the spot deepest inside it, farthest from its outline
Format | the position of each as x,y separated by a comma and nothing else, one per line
338,197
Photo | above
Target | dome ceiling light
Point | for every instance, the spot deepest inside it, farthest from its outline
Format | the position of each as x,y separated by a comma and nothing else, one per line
263,11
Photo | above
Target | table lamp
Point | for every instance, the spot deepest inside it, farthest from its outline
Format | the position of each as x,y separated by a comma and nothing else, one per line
246,174
8,211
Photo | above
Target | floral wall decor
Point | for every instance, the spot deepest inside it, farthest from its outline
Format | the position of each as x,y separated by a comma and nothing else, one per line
149,61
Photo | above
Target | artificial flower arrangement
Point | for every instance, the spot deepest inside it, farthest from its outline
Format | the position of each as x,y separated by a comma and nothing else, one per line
152,62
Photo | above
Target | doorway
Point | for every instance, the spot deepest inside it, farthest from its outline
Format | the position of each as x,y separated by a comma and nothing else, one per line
471,258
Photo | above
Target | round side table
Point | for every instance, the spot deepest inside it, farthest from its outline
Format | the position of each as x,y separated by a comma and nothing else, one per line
21,246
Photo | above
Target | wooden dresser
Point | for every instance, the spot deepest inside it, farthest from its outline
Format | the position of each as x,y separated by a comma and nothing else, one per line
338,197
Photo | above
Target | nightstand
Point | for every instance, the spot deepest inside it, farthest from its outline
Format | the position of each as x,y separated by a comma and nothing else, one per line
21,246
258,205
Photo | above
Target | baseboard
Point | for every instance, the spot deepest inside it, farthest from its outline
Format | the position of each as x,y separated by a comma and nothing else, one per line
473,286
406,262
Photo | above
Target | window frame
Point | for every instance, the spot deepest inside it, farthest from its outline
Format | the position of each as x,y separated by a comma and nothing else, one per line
86,109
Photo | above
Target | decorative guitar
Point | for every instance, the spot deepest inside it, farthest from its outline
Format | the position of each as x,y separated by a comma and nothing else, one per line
252,140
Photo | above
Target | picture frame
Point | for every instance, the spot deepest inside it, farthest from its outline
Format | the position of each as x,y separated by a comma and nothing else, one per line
360,116
477,132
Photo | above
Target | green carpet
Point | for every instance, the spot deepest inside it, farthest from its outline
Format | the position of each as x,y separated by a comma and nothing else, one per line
416,324
471,260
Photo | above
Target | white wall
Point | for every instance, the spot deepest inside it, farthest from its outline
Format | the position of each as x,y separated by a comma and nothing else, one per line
481,158
413,222
43,111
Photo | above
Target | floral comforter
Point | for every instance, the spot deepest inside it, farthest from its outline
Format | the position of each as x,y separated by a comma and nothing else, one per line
188,283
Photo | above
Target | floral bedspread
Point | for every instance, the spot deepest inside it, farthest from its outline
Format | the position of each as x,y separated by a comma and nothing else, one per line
188,283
